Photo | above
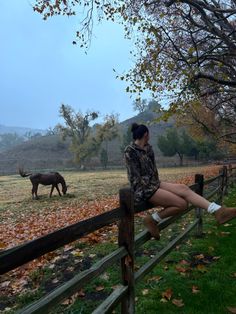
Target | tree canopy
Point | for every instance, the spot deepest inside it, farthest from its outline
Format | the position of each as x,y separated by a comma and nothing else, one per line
85,139
184,47
174,142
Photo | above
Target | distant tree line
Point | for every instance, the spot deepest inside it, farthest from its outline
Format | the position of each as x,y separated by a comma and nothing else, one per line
179,143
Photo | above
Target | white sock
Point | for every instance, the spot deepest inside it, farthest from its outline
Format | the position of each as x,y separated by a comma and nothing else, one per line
213,207
156,217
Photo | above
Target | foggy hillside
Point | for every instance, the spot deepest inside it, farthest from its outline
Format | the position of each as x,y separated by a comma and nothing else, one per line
19,130
50,152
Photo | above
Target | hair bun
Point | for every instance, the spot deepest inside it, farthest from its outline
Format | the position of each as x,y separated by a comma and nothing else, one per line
134,127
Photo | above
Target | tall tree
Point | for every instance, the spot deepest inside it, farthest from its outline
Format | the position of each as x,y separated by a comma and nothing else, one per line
104,158
107,131
85,140
77,125
183,46
174,142
77,128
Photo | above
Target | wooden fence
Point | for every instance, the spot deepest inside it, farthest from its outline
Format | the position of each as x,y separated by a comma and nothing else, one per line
124,294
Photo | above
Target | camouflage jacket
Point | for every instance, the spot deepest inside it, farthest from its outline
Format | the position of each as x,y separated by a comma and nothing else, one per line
142,171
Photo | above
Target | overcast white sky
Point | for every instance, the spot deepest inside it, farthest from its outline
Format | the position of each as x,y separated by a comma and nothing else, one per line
40,68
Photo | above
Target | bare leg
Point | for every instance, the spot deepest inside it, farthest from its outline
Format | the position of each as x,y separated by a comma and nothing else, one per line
172,203
183,192
186,193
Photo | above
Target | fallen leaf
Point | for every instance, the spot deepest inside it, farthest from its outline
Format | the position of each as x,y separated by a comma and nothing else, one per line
167,294
145,291
99,288
201,268
199,256
181,269
155,278
77,253
68,248
5,284
66,302
105,276
178,302
224,233
195,289
231,309
184,262
233,275
115,287
55,280
92,255
2,245
81,293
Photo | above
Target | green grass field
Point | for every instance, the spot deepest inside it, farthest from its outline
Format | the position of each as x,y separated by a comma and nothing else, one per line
199,276
15,191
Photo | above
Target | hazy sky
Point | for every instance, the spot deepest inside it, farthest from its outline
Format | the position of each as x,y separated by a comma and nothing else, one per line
40,68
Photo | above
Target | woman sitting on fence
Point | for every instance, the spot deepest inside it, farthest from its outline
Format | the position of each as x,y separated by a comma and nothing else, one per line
173,197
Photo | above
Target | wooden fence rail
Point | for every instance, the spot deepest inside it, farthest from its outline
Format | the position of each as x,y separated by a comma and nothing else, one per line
124,294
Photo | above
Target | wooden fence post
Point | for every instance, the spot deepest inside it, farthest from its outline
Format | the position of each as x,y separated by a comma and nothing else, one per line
230,175
126,239
221,185
225,180
199,179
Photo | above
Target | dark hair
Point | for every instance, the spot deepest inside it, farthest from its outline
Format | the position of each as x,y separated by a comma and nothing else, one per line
138,130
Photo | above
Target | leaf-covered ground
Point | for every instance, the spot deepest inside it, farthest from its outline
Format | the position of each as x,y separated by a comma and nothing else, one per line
90,194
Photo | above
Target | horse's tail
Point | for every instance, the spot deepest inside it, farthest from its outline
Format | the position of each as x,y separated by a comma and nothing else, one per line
23,174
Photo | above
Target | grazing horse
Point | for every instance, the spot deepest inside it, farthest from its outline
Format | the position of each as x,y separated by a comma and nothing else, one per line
51,178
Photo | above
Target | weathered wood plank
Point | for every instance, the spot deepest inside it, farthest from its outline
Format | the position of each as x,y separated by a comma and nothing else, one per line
145,269
126,239
70,287
199,179
12,258
144,236
212,193
210,180
112,301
